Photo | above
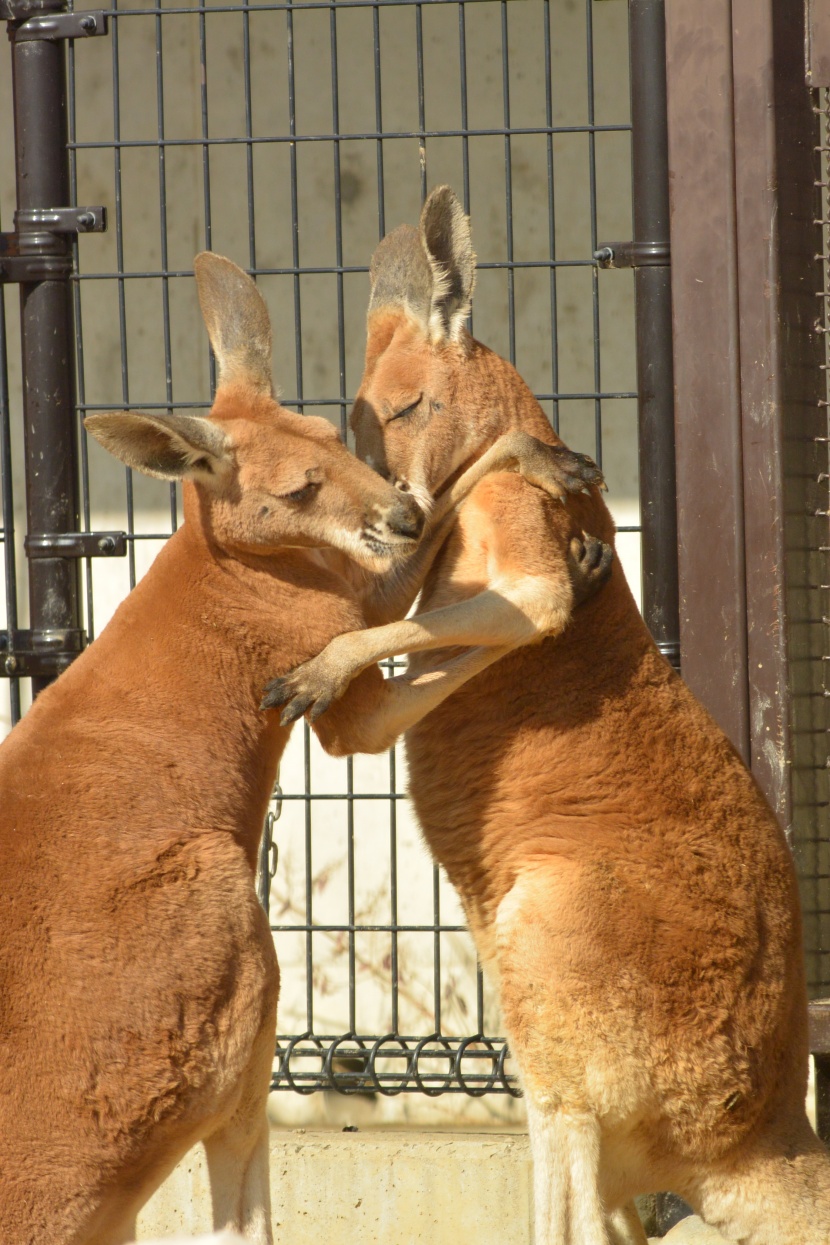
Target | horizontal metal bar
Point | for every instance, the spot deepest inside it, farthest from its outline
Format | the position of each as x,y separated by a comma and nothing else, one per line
345,136
341,401
290,6
303,928
325,270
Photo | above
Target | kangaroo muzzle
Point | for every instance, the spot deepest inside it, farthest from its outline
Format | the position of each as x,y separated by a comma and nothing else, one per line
405,517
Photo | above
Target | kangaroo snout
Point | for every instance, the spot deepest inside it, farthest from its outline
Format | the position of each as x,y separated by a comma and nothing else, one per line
405,517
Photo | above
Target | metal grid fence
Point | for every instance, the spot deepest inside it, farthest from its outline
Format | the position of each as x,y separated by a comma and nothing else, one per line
291,136
811,616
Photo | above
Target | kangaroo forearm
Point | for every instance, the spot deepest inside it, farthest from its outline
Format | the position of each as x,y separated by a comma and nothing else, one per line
356,723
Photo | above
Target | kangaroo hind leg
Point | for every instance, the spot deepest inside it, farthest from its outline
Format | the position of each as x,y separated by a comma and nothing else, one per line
567,1205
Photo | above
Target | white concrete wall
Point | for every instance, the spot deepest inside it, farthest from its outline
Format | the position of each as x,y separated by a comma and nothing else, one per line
126,363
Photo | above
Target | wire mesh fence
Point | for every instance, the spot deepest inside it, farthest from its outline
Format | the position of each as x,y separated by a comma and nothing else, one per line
291,137
810,589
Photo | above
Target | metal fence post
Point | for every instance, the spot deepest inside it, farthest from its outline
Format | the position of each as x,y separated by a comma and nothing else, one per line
38,256
39,79
648,254
652,287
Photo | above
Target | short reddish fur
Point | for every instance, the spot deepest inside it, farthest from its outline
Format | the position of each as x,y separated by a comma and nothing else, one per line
625,881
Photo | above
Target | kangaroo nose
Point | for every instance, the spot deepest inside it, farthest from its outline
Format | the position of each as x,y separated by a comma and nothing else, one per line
406,518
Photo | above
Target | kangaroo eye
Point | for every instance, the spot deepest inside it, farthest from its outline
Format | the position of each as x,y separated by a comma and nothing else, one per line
407,410
302,494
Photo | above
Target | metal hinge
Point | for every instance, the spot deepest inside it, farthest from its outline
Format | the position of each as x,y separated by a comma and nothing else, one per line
76,545
39,654
633,255
38,249
28,20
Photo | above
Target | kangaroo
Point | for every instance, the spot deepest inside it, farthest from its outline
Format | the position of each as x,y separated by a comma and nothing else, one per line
626,884
138,979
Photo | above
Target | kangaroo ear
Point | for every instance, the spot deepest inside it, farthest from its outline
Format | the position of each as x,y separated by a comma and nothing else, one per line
401,274
237,322
169,447
445,234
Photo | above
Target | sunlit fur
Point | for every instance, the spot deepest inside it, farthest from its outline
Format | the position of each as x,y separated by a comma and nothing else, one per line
138,980
628,888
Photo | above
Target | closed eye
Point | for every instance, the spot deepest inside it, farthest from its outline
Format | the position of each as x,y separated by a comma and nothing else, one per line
407,410
301,494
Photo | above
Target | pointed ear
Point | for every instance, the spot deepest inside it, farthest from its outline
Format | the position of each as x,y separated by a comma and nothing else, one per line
445,234
169,447
237,322
401,275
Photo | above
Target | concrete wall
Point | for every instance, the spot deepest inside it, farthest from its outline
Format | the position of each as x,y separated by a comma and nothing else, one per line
385,1188
125,361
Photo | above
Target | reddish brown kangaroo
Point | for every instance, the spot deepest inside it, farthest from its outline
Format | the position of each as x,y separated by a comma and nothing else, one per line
627,886
138,981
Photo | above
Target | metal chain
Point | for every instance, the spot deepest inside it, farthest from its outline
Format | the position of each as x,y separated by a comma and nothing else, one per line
269,851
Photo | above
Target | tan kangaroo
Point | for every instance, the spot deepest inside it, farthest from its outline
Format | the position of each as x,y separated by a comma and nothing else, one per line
138,980
627,886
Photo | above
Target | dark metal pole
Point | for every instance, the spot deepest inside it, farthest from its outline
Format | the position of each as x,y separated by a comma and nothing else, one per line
39,84
652,285
9,558
655,372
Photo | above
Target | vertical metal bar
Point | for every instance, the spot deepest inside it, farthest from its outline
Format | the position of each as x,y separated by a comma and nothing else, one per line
249,150
79,352
341,359
338,229
393,885
205,130
295,212
165,266
119,253
422,124
508,186
39,87
436,946
465,116
592,184
9,559
655,377
652,288
378,121
554,323
309,885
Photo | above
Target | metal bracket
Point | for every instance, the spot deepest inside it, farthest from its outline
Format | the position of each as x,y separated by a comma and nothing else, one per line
38,250
670,649
39,654
633,255
76,545
26,23
61,220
